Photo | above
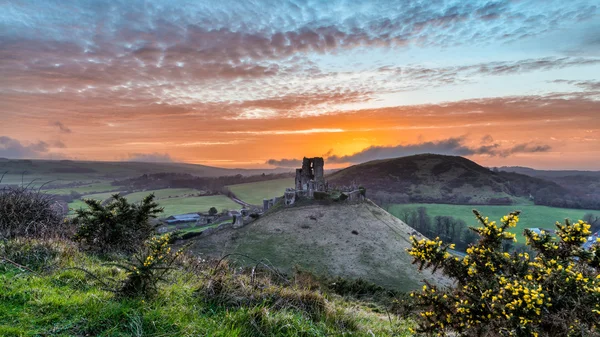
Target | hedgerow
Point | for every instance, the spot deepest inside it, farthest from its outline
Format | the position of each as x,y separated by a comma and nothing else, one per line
554,293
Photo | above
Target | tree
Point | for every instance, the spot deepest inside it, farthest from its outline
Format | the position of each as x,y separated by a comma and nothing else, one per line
555,293
213,211
117,227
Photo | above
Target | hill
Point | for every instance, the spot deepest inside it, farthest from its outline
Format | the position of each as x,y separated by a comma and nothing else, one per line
68,171
583,184
430,178
347,240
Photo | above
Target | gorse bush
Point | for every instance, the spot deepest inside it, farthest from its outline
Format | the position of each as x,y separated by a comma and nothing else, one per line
555,293
148,267
26,212
119,226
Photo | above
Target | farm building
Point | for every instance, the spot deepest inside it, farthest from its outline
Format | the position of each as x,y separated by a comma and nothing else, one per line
175,219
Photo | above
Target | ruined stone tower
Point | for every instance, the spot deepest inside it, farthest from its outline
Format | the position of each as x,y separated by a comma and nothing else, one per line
312,170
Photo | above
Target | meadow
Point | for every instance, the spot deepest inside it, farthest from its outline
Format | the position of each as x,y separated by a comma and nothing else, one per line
196,204
100,187
173,200
532,216
254,193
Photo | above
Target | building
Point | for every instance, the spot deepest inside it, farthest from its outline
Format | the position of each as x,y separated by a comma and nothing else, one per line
181,218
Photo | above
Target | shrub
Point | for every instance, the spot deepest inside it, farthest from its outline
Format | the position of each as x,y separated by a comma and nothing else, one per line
117,227
555,293
30,254
28,212
148,267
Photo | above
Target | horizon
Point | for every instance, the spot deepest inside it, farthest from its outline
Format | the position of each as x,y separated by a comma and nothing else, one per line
259,86
290,168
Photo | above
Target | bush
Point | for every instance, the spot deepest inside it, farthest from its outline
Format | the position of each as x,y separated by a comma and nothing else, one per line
25,212
555,293
117,227
148,267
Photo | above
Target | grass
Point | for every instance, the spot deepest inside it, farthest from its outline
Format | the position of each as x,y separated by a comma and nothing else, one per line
195,204
531,215
254,193
75,205
163,193
99,196
66,302
173,206
85,189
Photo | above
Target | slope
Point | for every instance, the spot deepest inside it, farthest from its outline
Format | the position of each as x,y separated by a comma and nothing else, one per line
348,240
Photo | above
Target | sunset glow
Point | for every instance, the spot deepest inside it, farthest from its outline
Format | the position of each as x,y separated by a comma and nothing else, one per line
247,84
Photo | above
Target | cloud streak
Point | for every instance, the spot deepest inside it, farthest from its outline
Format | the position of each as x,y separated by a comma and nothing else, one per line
12,148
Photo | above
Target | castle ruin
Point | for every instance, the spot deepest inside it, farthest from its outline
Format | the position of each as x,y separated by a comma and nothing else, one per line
310,180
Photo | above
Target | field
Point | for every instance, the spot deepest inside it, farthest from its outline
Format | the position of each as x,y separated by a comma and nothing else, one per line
85,189
254,193
531,215
173,206
163,194
196,204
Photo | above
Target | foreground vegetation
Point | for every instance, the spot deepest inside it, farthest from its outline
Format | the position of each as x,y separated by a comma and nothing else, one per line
555,292
198,298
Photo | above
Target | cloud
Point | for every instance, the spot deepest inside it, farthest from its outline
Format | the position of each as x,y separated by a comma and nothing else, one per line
63,128
12,148
589,85
451,146
150,157
285,162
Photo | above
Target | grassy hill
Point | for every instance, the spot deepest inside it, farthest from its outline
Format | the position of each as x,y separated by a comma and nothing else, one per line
440,179
348,240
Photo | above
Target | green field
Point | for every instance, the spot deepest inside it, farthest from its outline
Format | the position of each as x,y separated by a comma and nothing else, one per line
163,194
254,193
196,204
181,205
531,215
85,189
99,196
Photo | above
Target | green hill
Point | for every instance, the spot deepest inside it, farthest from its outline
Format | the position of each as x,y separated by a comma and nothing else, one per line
347,240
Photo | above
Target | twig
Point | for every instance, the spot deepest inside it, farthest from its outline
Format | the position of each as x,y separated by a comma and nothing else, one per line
22,267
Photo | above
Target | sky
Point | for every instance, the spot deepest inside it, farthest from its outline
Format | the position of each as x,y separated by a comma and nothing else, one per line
260,84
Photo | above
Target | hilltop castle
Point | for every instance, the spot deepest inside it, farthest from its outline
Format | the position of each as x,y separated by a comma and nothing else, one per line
310,183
